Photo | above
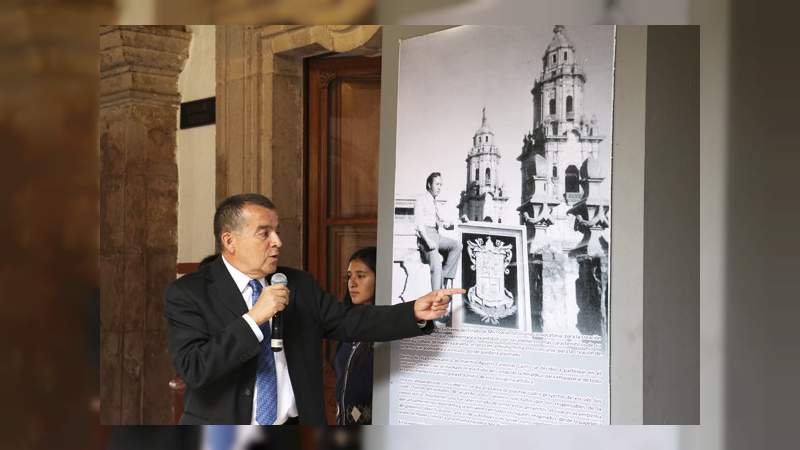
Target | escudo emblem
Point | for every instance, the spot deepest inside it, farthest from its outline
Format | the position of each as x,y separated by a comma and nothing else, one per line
489,298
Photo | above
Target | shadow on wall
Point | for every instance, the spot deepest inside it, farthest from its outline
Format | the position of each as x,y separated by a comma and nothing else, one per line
762,358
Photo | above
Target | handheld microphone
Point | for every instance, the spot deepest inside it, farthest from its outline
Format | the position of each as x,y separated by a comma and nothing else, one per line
276,341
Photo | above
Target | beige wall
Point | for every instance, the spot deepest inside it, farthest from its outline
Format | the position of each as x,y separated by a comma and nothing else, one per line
196,152
135,12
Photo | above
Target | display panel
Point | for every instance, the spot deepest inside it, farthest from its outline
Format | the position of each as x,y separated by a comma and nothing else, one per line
502,187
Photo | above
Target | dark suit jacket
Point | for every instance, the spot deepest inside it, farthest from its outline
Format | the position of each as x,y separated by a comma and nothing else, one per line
215,352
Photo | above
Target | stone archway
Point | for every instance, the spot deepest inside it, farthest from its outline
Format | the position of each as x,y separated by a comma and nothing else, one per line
260,115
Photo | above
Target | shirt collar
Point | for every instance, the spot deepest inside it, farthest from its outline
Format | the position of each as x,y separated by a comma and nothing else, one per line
430,196
239,278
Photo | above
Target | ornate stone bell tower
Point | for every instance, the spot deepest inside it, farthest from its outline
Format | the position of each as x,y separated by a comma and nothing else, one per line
483,198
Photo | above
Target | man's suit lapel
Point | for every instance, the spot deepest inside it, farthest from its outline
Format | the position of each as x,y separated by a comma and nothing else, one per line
224,288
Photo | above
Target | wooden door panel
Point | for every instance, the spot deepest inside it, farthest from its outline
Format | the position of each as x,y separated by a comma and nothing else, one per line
343,138
343,106
354,140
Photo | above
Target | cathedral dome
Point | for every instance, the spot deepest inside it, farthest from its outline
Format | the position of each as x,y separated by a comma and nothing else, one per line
559,40
485,128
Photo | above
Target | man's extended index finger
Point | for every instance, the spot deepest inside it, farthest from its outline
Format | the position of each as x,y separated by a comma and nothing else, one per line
453,291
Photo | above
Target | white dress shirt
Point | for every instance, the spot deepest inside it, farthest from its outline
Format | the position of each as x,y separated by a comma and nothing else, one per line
426,212
286,404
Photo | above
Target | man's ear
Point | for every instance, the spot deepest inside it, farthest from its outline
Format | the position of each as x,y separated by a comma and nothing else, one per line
228,242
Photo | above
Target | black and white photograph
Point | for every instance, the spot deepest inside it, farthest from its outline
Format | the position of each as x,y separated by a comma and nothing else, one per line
494,276
507,126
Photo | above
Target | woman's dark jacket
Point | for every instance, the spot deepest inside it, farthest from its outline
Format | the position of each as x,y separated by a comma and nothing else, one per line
353,366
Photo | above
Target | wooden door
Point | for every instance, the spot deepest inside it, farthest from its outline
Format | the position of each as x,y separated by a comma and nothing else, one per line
343,105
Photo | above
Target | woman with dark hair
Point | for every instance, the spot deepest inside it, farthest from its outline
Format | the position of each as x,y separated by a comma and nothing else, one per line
353,361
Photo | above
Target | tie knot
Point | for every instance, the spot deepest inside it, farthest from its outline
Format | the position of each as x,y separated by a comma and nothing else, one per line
255,285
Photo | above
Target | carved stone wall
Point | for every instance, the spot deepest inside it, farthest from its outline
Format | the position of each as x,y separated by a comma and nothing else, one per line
260,122
139,68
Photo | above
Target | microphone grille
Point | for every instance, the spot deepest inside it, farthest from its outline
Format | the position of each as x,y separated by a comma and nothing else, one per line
279,278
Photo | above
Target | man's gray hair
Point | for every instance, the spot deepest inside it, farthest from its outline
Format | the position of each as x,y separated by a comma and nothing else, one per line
228,216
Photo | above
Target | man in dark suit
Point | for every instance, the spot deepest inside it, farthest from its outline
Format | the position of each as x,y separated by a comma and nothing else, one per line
219,326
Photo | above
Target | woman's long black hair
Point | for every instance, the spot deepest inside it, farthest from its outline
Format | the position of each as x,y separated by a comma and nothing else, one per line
367,255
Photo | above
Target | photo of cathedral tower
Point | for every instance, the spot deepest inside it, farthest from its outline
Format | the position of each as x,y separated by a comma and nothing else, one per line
483,198
561,131
503,145
565,214
539,160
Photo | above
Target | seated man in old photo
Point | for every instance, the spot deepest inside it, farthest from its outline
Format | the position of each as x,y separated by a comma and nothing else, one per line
442,252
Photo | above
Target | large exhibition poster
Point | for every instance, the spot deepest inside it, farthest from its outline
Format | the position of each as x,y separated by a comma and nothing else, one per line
502,187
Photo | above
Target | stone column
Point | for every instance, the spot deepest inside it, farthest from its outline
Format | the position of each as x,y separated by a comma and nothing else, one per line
536,216
536,290
139,99
591,218
48,180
